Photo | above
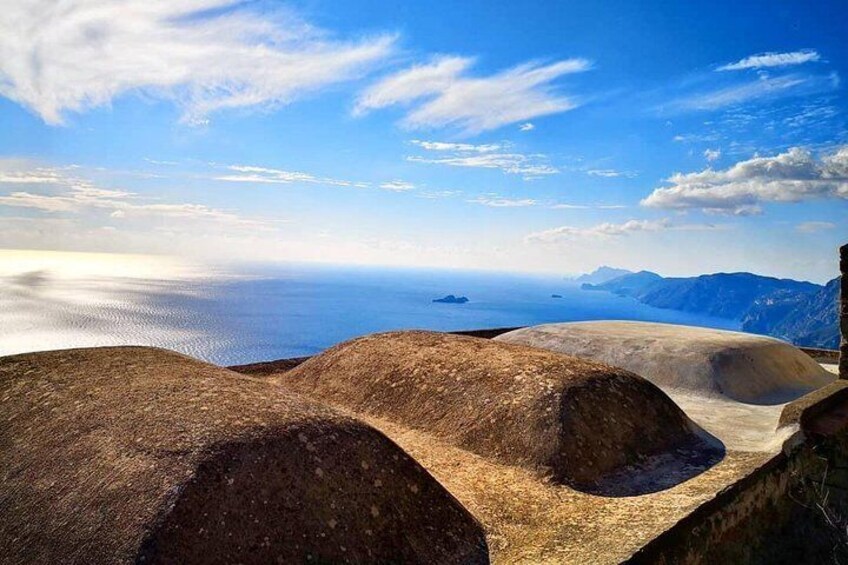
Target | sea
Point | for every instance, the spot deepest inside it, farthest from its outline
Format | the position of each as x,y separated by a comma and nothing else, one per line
266,312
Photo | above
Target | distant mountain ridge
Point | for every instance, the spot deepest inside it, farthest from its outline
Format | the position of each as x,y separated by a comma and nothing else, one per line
602,274
803,313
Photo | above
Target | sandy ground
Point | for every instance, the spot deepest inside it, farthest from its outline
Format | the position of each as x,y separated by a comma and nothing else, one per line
530,520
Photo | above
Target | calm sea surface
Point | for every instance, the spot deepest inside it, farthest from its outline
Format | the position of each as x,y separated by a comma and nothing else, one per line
270,313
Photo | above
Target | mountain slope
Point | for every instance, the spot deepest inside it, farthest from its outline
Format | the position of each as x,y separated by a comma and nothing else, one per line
724,295
804,319
801,312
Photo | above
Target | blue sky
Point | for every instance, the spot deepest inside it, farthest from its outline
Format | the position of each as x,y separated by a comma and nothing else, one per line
535,136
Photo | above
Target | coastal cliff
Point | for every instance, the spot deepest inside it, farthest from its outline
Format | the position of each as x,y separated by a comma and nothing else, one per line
801,312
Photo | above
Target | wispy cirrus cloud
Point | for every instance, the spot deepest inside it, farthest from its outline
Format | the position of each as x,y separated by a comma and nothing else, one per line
266,175
397,186
793,176
696,137
205,55
816,122
761,88
497,201
490,156
812,115
457,147
442,94
501,202
69,194
770,60
611,173
814,227
251,174
608,230
437,194
563,206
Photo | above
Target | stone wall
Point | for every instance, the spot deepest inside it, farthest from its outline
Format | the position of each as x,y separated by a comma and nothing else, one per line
843,312
790,510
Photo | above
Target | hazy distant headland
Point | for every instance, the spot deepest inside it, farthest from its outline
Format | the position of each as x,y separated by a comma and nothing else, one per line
800,312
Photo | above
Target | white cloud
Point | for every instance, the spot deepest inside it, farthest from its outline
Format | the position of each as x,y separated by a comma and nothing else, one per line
765,87
434,194
813,227
608,230
39,202
510,163
793,176
491,156
35,176
812,115
610,173
67,194
413,83
499,202
456,147
737,94
440,94
603,230
265,175
696,138
397,186
588,206
712,154
206,55
527,126
767,60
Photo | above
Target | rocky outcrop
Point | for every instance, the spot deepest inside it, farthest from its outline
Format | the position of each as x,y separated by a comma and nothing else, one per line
451,299
140,455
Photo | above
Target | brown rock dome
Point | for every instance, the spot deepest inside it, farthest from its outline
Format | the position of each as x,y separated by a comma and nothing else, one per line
578,421
131,455
743,367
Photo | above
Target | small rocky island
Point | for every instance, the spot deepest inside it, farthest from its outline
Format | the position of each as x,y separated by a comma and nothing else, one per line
451,299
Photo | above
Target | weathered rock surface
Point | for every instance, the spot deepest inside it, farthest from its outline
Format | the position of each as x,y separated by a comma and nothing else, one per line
578,421
743,367
139,455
